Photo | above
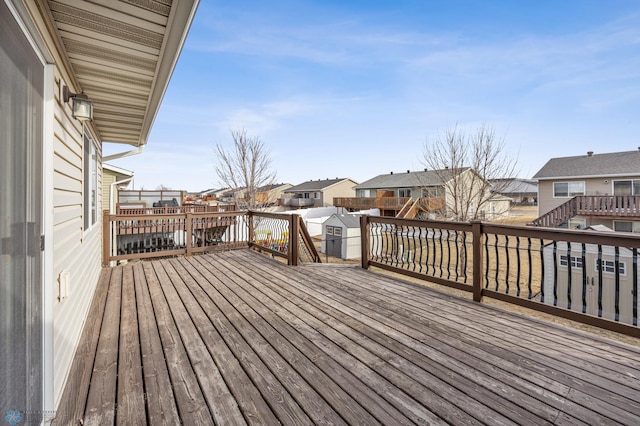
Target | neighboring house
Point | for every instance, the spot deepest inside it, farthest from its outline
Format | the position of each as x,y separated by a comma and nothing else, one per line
318,193
433,190
270,195
53,56
521,191
113,179
592,189
213,194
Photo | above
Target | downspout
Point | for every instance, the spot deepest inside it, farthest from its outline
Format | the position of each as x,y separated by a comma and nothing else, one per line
112,207
124,154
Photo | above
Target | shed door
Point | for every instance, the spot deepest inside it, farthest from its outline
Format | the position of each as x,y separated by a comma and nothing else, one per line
334,241
21,123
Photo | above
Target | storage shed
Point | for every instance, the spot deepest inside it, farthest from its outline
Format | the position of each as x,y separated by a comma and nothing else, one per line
574,280
341,236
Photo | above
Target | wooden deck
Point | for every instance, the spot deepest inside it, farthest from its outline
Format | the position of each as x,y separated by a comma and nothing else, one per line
237,338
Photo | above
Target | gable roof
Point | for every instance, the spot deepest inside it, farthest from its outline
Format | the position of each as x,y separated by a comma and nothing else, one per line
272,187
316,185
610,164
122,55
407,179
117,171
348,220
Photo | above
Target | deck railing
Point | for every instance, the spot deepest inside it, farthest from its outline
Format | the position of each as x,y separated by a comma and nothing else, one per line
282,235
586,276
140,236
591,205
140,208
363,203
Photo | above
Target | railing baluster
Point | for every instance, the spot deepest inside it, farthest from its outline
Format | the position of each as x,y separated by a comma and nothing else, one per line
585,278
441,251
569,274
635,289
455,241
465,256
555,273
530,277
506,252
497,260
448,256
541,251
434,252
518,277
616,265
600,264
486,262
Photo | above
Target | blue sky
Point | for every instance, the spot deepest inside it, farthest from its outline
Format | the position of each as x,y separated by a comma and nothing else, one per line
355,88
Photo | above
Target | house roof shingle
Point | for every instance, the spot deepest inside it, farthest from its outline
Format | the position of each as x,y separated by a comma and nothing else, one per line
315,185
405,180
610,164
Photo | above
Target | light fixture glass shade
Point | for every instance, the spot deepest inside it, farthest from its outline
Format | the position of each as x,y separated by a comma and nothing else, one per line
82,109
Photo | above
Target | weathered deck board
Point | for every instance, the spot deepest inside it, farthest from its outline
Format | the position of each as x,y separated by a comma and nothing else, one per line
571,362
77,387
235,337
536,359
352,325
189,398
101,401
130,396
161,404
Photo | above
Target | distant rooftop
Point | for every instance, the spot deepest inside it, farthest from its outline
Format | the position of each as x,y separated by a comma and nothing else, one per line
405,179
316,185
609,164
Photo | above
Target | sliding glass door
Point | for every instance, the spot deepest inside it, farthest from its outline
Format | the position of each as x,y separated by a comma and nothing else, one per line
21,106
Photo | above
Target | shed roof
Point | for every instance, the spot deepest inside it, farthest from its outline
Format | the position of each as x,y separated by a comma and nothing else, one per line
609,164
349,220
316,185
408,179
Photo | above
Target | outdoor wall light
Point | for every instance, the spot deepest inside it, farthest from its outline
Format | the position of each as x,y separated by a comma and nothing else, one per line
82,106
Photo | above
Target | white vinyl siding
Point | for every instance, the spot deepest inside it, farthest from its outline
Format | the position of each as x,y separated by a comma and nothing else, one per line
76,252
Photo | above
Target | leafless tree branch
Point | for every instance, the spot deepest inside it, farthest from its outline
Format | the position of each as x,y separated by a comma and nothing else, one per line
245,168
474,167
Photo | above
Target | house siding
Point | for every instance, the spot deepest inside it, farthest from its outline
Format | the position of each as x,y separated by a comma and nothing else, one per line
107,180
75,251
340,189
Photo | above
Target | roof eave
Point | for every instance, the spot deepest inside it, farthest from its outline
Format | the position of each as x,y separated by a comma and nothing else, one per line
180,19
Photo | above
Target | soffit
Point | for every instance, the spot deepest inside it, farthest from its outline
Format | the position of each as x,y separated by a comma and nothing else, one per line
122,54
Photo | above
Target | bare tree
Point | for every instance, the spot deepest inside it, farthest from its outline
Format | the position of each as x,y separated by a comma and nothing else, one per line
473,166
162,187
245,168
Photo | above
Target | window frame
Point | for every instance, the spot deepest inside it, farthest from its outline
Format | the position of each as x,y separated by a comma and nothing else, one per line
609,267
570,194
576,261
89,180
635,186
404,192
